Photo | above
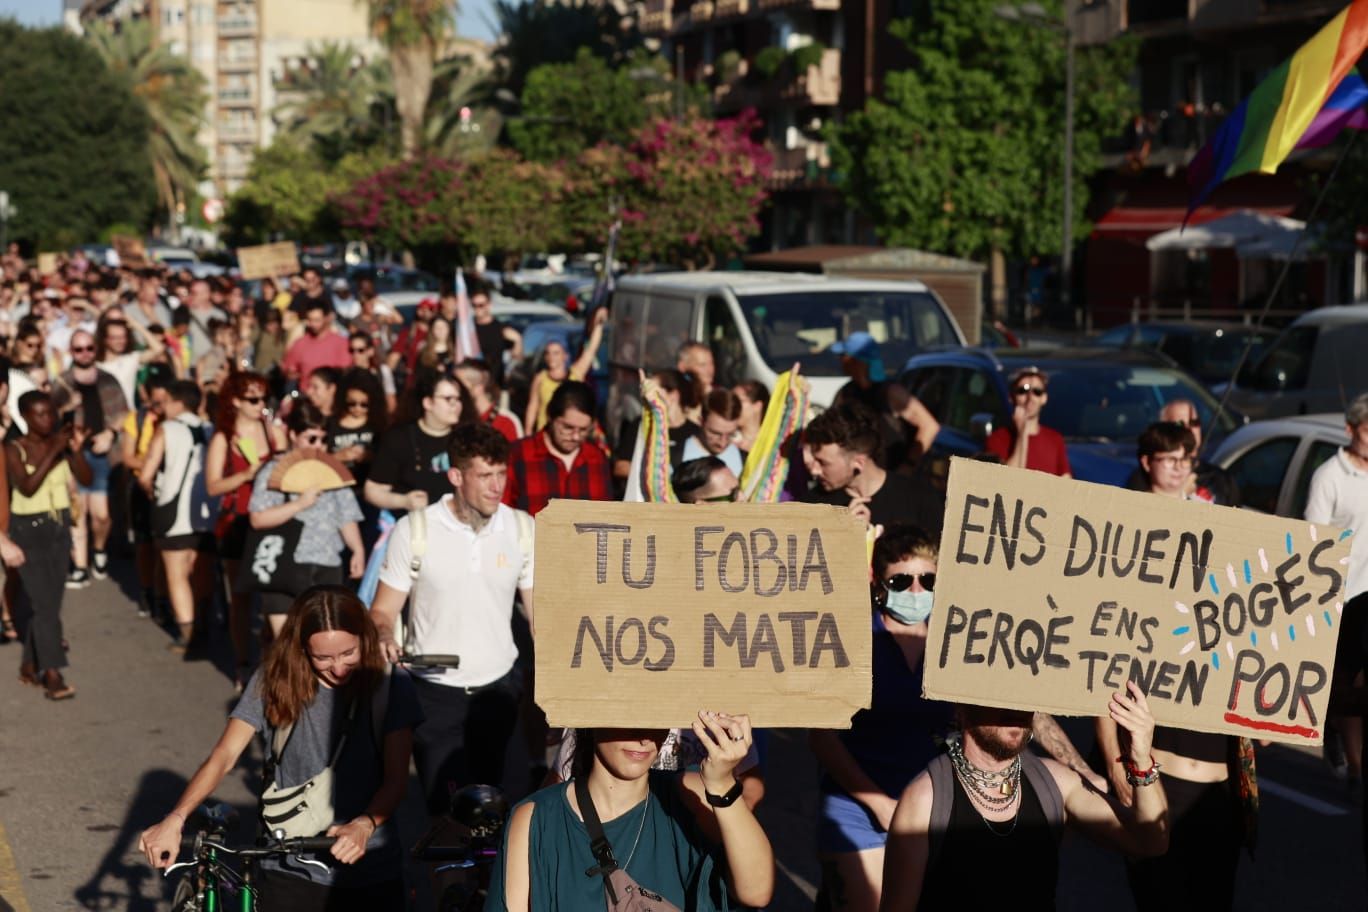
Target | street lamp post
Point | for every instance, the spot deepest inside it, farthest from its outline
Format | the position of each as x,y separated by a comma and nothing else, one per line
7,211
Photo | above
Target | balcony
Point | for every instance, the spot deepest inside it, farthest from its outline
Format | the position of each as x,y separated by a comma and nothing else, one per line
827,5
656,18
804,166
729,8
820,85
237,131
700,10
237,63
237,26
243,97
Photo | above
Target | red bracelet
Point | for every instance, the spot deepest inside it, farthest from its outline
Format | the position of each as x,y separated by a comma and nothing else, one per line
1134,770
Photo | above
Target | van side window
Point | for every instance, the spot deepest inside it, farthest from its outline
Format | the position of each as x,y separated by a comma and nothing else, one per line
722,336
1284,366
629,319
669,324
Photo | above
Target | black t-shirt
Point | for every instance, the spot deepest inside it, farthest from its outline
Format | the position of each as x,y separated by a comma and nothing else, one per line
91,409
340,438
901,500
492,345
627,441
301,302
408,459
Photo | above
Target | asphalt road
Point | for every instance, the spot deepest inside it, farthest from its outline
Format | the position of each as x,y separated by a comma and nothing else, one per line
79,781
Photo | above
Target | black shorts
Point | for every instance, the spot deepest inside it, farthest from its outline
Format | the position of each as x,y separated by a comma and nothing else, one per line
280,602
139,514
233,540
190,541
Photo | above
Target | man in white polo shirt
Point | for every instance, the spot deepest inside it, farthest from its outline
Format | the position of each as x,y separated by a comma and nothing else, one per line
475,555
1339,497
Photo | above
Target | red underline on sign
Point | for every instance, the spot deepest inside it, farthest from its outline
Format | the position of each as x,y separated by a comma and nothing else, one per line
1300,731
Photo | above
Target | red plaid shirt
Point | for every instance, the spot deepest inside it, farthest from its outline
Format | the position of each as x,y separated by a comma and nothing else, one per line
535,475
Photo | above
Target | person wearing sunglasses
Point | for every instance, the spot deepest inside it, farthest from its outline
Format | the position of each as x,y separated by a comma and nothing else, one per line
1026,443
244,440
866,768
330,520
97,402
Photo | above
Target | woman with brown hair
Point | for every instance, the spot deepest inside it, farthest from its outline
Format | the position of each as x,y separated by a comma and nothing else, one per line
244,440
326,680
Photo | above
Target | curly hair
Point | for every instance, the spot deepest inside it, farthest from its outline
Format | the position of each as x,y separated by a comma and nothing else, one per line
288,680
469,441
851,427
238,384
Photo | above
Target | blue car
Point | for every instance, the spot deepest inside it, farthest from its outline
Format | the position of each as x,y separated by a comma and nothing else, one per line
1100,400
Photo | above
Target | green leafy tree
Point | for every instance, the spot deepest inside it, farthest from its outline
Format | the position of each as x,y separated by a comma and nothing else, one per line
336,100
568,107
173,93
535,33
962,154
74,147
460,118
413,32
288,190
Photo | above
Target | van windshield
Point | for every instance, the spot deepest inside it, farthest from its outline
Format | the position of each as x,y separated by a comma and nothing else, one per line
801,326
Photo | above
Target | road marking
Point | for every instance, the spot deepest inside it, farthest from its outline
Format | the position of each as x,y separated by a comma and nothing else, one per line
1324,808
806,888
11,885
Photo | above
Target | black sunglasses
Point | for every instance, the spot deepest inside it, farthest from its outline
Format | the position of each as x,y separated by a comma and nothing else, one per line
254,400
901,582
1025,388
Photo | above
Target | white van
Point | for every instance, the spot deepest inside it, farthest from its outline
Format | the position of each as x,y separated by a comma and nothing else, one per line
759,323
1316,365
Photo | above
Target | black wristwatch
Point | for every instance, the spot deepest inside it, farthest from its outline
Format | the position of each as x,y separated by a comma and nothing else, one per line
723,801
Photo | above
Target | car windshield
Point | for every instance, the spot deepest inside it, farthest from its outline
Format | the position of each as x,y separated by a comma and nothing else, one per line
801,326
1117,402
1285,365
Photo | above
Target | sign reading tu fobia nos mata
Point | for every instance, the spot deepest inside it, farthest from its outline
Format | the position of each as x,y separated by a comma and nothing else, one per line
1051,593
648,613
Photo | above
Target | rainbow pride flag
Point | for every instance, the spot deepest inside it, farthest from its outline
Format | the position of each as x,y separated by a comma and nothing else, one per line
1268,125
1344,111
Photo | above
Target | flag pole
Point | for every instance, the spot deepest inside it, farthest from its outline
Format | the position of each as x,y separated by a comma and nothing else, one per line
1282,274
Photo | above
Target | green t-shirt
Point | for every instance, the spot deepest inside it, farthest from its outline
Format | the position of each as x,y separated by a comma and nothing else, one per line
671,856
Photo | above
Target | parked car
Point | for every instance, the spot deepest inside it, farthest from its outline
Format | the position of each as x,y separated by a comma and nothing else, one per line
1207,349
392,277
517,314
759,323
1100,400
1273,461
1316,365
568,332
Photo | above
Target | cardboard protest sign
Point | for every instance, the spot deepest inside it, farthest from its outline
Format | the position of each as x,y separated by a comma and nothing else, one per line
268,261
47,263
132,253
647,613
1050,593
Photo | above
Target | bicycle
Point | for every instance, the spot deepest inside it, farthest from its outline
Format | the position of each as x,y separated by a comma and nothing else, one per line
207,888
461,873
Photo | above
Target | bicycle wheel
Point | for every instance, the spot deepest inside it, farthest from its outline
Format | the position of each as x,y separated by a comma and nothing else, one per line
185,899
460,898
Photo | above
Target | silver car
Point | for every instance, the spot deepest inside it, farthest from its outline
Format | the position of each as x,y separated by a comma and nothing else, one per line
1272,461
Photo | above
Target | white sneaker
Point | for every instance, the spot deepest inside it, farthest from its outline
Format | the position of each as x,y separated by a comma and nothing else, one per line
77,579
99,566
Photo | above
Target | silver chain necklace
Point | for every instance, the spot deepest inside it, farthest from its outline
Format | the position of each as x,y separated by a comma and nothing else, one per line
640,827
994,789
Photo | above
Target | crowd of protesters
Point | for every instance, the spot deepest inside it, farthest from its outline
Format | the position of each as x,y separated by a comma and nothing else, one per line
147,410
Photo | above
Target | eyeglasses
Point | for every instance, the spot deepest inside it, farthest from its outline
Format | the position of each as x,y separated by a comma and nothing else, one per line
570,430
1172,462
1027,389
253,400
79,349
448,399
315,438
901,582
729,497
359,351
1193,422
358,403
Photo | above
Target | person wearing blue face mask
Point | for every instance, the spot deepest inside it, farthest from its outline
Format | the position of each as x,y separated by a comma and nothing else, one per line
866,768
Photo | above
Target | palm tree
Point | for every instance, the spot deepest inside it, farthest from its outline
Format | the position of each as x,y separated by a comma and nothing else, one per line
414,32
461,83
173,93
332,99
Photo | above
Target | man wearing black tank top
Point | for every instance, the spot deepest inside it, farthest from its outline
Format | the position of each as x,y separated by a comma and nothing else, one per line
991,807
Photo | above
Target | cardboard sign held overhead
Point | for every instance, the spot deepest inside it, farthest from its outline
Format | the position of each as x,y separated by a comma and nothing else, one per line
132,253
1051,593
648,613
47,263
268,261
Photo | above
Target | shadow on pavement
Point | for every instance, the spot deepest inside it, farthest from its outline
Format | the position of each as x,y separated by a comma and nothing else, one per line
123,879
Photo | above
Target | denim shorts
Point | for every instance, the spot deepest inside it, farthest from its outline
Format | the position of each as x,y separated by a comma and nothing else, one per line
845,825
99,474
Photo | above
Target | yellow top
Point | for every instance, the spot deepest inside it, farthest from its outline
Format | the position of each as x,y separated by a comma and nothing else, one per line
52,495
143,435
546,387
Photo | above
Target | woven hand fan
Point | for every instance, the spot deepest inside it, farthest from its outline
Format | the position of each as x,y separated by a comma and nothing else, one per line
297,471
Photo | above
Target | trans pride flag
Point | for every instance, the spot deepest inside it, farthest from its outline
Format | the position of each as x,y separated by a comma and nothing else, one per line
1270,123
467,343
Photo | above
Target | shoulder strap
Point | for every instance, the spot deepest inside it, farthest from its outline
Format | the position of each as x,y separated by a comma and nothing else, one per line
526,534
1046,789
598,842
942,803
280,739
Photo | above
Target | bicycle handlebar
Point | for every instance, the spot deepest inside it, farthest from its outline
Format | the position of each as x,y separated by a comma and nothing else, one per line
431,660
302,845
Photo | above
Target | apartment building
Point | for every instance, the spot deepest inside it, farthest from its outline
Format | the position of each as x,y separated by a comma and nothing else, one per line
800,64
1197,60
243,48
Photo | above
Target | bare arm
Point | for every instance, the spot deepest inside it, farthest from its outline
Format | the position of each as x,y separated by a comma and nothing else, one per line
585,362
353,835
517,873
533,403
156,450
515,338
1056,743
283,513
384,496
161,843
1109,743
525,595
917,415
28,484
216,483
384,613
908,848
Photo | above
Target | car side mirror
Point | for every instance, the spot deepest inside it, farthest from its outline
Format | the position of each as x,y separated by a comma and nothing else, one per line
980,426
